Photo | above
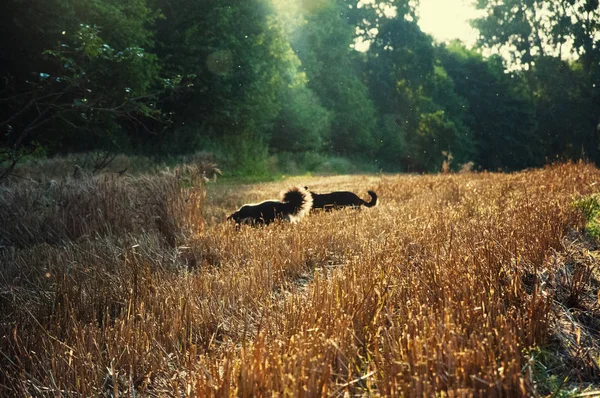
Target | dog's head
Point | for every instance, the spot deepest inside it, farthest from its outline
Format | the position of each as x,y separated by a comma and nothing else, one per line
235,217
309,191
241,215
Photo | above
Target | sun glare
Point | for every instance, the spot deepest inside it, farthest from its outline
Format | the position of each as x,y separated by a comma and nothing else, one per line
293,7
446,20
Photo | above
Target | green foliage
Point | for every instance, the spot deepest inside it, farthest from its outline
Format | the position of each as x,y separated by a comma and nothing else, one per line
323,45
394,140
119,74
247,155
436,135
234,60
540,28
498,109
422,116
567,107
448,118
303,124
590,207
84,84
555,44
258,78
544,365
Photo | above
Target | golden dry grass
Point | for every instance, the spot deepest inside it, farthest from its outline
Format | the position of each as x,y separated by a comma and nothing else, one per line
443,289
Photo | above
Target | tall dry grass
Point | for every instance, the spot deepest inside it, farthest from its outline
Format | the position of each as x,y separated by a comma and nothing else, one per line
443,289
71,209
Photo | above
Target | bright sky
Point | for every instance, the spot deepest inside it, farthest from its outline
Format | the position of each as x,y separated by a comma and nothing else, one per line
448,19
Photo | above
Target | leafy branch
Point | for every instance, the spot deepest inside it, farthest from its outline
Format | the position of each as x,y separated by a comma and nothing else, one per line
93,86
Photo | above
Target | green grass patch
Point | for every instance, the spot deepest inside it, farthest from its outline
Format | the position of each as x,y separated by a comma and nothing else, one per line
590,207
549,374
300,163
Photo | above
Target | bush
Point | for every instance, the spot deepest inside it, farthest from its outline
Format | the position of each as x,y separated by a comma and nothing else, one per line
590,208
303,124
246,155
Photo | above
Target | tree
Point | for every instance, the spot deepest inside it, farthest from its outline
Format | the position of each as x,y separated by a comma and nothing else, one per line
501,112
557,43
323,44
422,115
568,109
235,62
80,85
303,124
538,28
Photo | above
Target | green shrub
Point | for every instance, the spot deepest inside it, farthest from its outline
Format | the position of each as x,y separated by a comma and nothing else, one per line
590,207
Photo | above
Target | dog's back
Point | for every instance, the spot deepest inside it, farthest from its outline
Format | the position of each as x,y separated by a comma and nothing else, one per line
260,213
295,203
339,199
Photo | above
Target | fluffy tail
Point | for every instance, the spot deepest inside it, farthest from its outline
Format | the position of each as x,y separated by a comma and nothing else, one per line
373,201
299,199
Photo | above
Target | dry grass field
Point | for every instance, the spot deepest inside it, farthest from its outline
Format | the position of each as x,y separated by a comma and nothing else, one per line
478,284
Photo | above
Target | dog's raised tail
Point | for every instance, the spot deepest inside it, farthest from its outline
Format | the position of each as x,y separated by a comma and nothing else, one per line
373,201
299,199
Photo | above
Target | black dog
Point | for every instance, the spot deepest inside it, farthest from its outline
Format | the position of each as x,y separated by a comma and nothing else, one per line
339,199
295,203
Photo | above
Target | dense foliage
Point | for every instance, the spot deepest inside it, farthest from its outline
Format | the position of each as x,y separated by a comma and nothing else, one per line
259,77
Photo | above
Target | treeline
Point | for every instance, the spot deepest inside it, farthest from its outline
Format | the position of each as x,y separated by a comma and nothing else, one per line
249,79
